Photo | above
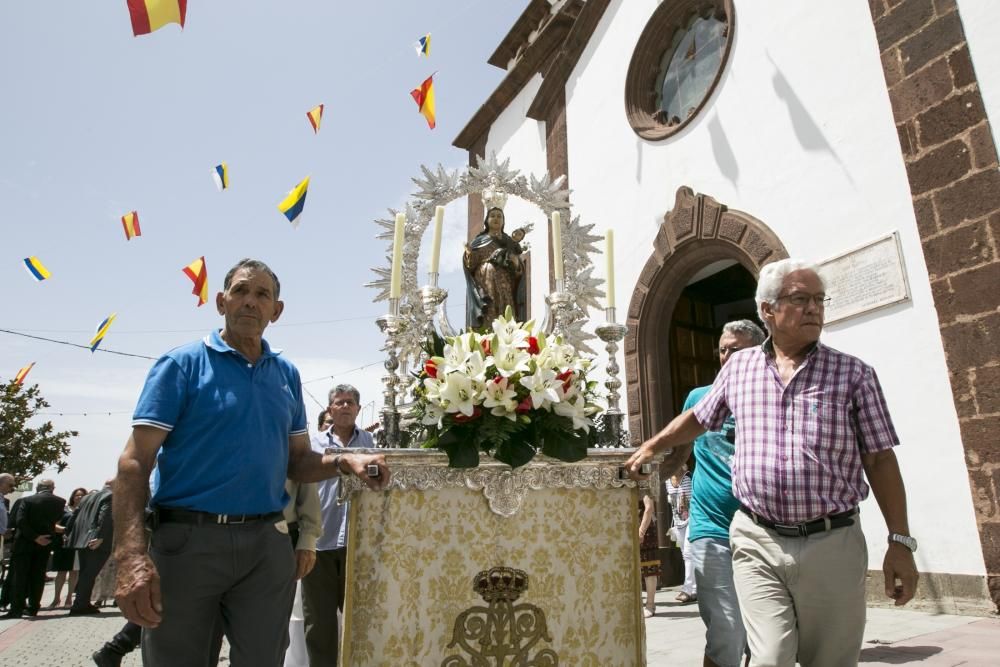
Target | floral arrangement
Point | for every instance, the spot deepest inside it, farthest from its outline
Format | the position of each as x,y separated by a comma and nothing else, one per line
509,392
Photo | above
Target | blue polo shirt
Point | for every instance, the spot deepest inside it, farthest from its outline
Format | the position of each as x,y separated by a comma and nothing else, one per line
228,424
712,501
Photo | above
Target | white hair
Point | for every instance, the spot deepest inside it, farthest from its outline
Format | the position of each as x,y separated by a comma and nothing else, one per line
772,279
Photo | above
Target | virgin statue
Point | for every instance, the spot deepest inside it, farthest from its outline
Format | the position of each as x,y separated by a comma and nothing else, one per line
493,273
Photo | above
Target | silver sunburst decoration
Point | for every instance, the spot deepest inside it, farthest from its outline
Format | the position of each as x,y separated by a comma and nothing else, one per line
438,188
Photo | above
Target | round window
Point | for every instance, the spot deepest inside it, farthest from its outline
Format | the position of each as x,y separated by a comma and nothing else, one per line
669,80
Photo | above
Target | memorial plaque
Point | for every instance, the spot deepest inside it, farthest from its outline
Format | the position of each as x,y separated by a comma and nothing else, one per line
865,279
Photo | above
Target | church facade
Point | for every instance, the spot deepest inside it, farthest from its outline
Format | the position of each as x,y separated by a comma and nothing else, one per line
717,136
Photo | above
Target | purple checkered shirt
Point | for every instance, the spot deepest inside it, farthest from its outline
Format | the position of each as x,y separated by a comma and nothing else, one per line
798,447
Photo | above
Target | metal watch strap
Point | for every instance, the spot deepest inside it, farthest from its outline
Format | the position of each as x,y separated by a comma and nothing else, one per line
906,540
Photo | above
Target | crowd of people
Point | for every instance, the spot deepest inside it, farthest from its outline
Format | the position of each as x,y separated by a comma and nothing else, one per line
225,520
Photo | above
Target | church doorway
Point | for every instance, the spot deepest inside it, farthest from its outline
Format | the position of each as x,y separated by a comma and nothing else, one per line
701,273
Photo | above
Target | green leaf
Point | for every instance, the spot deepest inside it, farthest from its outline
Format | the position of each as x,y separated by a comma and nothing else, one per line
462,452
567,448
514,453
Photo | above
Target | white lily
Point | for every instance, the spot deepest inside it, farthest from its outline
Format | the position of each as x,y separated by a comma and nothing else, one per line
509,360
475,367
542,385
509,332
575,409
500,398
457,394
433,414
457,353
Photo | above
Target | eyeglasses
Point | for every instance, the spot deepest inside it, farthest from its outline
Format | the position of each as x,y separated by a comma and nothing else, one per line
349,403
800,299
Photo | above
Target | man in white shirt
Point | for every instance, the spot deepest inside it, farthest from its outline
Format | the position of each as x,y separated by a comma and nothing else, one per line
323,589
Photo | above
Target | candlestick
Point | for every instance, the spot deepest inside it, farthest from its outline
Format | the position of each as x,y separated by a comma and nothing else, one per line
436,240
612,333
392,325
395,279
557,256
609,256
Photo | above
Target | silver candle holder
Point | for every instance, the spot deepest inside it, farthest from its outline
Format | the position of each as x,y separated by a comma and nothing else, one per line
560,310
433,300
392,325
612,333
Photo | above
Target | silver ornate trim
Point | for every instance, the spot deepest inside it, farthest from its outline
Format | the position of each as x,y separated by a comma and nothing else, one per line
438,188
504,488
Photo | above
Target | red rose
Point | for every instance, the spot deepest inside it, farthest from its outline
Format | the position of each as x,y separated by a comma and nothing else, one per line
533,345
431,368
566,377
461,418
524,406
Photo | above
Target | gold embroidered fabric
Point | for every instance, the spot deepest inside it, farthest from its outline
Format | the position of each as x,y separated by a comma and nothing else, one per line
412,556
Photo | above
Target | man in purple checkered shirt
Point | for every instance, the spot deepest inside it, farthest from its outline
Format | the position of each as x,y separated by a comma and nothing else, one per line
811,424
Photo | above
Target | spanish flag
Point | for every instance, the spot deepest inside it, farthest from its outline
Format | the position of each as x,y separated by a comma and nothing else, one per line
197,271
150,15
35,267
102,330
424,97
23,373
315,115
294,202
130,221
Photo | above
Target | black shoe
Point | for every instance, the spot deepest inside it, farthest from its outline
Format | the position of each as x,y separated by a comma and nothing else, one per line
31,611
89,610
107,658
12,614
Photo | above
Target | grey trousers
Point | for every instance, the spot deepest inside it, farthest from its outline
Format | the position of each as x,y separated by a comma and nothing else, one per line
322,597
243,573
802,598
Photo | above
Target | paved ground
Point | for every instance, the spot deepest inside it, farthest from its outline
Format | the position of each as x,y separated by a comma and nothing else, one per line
675,637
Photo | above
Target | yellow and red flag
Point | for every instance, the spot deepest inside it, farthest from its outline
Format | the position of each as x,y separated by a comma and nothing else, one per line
198,273
130,221
23,373
424,97
150,15
315,115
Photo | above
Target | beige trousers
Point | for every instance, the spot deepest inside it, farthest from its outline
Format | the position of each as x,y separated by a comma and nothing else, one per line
802,598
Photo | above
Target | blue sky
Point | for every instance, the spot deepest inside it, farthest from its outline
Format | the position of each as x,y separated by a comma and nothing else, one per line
96,122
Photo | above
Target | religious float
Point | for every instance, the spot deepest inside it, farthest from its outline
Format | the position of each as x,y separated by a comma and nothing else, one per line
508,533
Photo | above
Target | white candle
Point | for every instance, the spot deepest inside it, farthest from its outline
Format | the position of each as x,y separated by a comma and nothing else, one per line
609,257
557,257
395,280
436,242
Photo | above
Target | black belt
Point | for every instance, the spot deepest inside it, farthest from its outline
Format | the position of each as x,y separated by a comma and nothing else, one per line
820,525
171,515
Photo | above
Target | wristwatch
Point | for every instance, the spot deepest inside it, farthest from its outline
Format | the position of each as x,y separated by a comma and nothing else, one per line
907,541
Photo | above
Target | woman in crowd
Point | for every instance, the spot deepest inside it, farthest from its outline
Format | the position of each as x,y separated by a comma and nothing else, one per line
64,559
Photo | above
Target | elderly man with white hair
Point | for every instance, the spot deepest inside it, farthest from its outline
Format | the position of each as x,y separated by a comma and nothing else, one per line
811,424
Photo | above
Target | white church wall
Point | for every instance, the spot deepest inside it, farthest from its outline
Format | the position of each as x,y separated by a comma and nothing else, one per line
981,21
799,134
522,139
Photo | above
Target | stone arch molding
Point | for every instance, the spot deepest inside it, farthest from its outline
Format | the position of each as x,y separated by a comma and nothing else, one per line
698,230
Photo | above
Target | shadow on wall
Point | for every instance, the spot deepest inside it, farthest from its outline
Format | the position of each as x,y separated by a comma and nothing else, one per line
725,158
808,133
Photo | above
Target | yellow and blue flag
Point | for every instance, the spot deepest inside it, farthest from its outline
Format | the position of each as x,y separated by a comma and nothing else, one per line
35,267
293,204
102,330
130,221
423,46
221,176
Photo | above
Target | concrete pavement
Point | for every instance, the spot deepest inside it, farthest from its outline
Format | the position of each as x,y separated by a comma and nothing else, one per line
675,637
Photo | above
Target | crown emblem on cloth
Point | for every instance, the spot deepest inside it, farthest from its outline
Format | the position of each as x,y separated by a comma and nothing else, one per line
500,583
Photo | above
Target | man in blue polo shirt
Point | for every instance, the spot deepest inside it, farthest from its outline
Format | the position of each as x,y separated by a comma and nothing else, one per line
712,508
224,423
